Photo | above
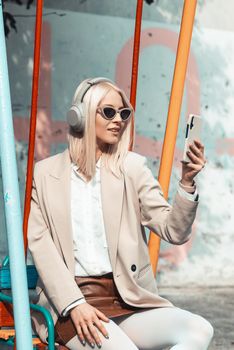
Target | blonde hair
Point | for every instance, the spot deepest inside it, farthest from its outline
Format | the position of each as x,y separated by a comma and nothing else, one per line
82,147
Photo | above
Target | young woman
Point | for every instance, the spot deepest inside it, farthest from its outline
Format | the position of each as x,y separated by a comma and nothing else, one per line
86,234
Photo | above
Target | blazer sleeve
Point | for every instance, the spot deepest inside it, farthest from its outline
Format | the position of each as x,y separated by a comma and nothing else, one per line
172,223
59,284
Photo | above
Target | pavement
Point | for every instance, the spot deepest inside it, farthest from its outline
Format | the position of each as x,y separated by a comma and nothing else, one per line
215,304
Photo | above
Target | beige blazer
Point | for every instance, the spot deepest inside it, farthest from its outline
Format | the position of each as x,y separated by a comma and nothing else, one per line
130,203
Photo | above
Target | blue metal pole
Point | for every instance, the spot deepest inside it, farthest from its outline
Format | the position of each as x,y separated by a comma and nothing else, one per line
12,206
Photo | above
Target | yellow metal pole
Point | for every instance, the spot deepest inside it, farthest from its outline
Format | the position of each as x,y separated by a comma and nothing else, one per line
173,114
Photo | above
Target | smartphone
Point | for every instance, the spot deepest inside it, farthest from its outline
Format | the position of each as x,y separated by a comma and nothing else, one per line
193,131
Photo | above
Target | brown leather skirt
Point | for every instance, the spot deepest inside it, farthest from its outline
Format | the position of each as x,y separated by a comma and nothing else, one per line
100,292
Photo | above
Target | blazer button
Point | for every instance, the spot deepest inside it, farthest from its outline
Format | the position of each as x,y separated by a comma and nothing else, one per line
133,267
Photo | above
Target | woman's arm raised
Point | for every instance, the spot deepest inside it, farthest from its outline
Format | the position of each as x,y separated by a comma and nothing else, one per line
171,223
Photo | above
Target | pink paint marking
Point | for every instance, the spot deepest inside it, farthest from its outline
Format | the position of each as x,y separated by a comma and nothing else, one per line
224,146
153,149
168,39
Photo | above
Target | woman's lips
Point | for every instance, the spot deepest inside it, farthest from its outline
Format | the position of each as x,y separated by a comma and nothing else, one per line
114,130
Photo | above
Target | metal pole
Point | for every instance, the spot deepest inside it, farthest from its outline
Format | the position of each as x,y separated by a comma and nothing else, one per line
174,113
12,206
33,121
135,61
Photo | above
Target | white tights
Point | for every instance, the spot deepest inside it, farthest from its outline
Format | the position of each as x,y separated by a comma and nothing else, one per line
154,329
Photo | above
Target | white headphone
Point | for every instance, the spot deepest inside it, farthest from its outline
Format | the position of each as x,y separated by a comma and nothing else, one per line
76,114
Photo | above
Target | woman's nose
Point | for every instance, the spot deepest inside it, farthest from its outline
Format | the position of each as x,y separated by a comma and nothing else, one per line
117,117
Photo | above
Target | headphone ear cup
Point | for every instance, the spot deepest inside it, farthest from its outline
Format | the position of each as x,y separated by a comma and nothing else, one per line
76,117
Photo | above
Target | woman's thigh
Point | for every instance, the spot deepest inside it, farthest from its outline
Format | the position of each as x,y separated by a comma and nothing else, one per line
117,339
162,327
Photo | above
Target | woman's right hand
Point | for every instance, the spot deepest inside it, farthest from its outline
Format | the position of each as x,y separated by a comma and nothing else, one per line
84,316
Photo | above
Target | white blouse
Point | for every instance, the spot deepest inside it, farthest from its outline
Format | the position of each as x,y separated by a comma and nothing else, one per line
89,237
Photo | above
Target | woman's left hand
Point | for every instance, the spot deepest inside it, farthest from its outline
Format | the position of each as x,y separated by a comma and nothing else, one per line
191,169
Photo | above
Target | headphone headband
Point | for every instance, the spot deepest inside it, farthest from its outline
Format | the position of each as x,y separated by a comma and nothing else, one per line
89,83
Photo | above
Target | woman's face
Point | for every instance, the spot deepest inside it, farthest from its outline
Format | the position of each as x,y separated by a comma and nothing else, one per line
109,131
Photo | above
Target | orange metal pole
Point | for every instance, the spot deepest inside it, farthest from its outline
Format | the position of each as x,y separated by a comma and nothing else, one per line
174,114
32,134
135,61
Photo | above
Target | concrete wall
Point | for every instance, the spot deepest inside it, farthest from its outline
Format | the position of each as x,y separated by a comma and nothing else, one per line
86,40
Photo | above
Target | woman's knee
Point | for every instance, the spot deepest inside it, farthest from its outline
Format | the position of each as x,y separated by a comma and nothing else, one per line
202,327
208,328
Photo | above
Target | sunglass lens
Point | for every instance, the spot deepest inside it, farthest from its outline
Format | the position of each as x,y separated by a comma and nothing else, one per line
125,114
109,112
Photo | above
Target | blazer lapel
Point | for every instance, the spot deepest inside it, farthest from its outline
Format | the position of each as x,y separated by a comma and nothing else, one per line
112,189
59,189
